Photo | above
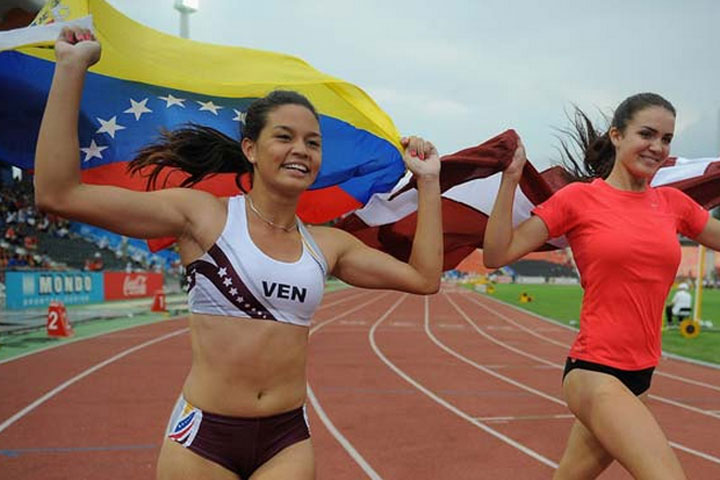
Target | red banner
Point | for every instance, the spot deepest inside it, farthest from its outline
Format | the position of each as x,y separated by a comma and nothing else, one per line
121,285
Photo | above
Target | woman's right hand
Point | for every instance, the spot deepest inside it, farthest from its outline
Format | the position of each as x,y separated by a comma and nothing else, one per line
515,168
77,46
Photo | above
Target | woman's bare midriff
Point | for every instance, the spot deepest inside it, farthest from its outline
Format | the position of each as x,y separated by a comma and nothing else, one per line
246,367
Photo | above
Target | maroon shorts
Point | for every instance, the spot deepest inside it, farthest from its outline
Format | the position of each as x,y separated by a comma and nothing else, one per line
239,444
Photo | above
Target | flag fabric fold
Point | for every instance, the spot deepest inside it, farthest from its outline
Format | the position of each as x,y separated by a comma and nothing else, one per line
147,80
469,182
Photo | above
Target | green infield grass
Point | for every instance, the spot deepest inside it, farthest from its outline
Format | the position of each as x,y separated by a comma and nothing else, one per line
562,303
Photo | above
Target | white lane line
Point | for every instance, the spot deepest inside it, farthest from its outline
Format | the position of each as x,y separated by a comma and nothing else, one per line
127,327
515,418
679,446
354,454
325,419
345,313
685,406
697,453
482,368
90,370
567,345
557,323
17,416
342,300
444,403
80,339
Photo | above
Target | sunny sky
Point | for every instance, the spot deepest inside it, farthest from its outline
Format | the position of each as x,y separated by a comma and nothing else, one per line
460,71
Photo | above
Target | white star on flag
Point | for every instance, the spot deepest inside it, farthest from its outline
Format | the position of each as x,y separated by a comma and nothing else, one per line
138,108
233,291
222,272
93,151
227,282
209,106
239,116
109,126
170,101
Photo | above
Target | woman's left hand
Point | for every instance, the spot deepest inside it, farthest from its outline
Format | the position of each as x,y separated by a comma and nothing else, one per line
421,157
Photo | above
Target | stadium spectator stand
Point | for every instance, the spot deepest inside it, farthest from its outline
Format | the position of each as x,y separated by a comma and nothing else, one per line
542,268
31,239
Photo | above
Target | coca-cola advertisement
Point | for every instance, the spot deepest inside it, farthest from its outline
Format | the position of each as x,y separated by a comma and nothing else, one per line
121,285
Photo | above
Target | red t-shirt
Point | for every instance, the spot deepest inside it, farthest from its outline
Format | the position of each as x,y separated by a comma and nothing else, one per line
627,252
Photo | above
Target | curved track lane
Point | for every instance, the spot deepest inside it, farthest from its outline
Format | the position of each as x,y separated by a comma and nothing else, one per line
453,386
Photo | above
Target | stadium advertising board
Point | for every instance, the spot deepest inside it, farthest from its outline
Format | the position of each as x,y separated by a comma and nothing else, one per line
121,285
39,288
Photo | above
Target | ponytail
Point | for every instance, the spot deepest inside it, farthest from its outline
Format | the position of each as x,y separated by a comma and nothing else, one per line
597,150
194,149
202,151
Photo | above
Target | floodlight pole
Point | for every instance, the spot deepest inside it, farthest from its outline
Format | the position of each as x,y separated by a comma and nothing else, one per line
186,7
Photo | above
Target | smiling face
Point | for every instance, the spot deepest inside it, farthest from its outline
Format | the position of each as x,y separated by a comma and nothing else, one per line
288,152
644,144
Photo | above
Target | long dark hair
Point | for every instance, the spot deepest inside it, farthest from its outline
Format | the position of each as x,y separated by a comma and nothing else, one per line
201,151
596,149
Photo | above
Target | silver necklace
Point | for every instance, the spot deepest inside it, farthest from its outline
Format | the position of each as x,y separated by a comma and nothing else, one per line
267,220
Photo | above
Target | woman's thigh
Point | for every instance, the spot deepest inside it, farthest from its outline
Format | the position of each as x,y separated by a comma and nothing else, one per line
622,424
296,461
178,463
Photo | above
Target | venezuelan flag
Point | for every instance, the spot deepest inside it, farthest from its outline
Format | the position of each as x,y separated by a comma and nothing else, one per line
147,80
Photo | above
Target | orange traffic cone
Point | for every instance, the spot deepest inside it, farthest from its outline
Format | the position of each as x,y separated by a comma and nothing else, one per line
57,321
158,304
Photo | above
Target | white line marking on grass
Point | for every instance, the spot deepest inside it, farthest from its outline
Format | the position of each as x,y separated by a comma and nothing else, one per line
444,403
95,335
84,374
668,401
127,327
672,356
567,345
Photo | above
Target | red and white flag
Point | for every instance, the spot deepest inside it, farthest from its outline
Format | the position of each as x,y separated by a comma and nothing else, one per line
469,182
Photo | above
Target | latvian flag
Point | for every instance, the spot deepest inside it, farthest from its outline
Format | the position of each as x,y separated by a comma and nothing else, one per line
469,182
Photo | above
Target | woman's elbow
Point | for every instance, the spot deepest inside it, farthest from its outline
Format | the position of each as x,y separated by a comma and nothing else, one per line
491,261
434,288
430,287
48,203
43,202
492,264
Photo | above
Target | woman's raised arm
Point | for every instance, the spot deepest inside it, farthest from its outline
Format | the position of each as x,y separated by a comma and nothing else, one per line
503,243
58,186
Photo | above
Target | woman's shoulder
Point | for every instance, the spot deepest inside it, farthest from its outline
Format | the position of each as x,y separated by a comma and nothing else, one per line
575,190
669,192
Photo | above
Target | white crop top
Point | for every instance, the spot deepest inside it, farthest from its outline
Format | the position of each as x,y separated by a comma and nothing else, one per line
235,278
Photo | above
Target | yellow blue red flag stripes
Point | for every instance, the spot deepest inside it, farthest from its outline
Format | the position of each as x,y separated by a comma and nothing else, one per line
147,80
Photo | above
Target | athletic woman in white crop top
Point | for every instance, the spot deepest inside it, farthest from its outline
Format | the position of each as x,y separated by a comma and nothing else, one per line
256,273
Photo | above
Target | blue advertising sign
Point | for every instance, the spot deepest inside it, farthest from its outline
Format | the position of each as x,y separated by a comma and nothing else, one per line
38,289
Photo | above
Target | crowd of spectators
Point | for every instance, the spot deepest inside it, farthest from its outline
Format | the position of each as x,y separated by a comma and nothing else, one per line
20,224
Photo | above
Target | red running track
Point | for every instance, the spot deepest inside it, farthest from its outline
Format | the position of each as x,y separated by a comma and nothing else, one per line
452,386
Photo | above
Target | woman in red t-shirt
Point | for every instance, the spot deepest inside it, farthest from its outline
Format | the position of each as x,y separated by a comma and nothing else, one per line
623,234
